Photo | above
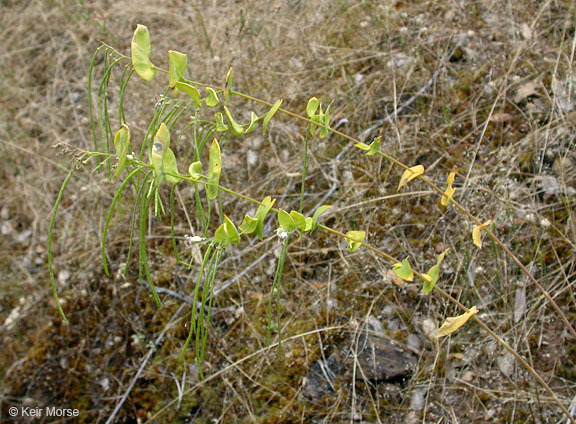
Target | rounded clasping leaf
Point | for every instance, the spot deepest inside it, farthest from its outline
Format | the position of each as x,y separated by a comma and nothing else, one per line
141,54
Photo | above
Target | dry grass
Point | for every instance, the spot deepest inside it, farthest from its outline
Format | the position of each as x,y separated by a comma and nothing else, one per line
485,86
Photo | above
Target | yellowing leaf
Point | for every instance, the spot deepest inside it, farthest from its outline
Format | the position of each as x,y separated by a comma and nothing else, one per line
410,174
362,146
121,146
476,233
253,120
170,166
403,270
431,278
191,91
454,323
449,192
236,128
268,116
159,147
141,54
312,107
325,119
228,85
220,125
375,146
177,67
212,99
195,169
214,170
372,148
355,239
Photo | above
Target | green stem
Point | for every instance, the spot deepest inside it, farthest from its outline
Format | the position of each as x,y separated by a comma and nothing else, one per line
304,171
50,238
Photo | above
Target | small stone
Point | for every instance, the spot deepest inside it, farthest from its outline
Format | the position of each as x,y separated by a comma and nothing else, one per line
252,158
381,359
63,276
413,343
418,398
429,328
104,383
506,364
321,376
373,324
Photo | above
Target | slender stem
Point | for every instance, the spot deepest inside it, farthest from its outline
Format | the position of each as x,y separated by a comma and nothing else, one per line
391,258
50,238
304,171
389,158
509,348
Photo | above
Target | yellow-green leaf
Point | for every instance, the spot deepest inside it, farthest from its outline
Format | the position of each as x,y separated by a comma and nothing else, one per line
227,233
163,135
141,54
214,170
325,120
253,120
177,63
249,225
159,147
449,192
312,107
362,146
190,91
286,221
355,239
299,220
121,146
476,236
170,166
261,213
454,323
195,169
235,127
212,99
403,270
372,148
231,230
410,174
431,278
270,114
317,213
375,146
220,125
228,85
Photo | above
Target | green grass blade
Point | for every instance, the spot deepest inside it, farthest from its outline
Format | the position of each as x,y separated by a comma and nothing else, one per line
90,101
276,289
139,194
304,172
51,237
172,233
109,216
143,268
192,331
